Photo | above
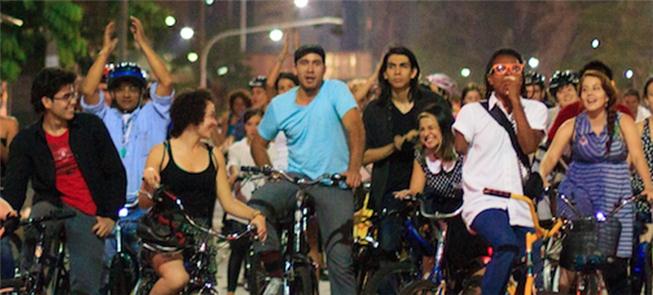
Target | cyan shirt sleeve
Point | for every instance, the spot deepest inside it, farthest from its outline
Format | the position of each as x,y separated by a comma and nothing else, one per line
269,126
465,121
99,109
161,104
343,100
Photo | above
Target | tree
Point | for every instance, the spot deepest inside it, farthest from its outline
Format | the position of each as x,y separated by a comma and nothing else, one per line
44,21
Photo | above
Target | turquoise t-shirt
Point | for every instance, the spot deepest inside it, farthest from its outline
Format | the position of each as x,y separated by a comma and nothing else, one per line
317,142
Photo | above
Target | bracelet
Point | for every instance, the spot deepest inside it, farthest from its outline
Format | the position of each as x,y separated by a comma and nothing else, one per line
256,213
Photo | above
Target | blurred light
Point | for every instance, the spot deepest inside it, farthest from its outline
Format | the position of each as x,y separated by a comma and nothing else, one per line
276,35
533,62
600,216
629,74
170,21
209,2
192,57
465,72
187,33
301,3
596,43
223,70
123,212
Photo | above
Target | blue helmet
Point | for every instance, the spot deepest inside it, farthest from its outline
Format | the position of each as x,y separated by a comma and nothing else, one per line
126,71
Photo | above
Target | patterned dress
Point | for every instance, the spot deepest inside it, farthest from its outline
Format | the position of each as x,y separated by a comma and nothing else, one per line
595,181
638,185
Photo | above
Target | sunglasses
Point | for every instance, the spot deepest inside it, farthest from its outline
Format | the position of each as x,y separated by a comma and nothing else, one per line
503,69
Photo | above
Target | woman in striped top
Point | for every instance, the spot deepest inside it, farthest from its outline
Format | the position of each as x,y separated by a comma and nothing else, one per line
601,140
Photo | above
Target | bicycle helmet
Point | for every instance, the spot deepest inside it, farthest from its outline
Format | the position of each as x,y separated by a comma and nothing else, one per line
258,81
126,71
444,82
534,78
560,79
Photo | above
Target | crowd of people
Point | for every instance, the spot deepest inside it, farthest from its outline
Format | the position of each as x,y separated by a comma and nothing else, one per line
117,137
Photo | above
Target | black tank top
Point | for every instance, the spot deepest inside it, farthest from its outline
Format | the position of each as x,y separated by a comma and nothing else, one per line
197,191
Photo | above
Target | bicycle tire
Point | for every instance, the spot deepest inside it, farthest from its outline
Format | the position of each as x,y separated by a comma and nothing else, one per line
123,274
304,281
257,278
394,276
419,287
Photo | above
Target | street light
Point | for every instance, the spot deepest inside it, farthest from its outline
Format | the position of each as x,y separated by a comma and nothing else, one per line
629,74
192,56
209,2
301,3
223,70
186,33
465,72
170,21
596,43
276,35
533,62
258,29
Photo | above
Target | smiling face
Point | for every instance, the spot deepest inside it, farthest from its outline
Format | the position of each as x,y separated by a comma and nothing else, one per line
430,134
209,122
566,95
62,104
592,94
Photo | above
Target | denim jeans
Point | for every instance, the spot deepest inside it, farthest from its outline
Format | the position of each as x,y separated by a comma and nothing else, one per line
334,209
508,244
85,249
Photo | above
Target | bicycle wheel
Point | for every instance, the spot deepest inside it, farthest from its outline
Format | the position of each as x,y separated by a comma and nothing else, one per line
422,287
304,281
257,278
123,274
391,278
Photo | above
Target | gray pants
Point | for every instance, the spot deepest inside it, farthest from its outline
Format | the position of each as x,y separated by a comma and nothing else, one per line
334,208
85,249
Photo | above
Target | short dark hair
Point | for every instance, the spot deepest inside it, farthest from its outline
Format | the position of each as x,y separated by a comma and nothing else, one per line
285,75
239,93
188,108
309,48
251,113
386,89
648,82
505,52
47,83
632,92
597,65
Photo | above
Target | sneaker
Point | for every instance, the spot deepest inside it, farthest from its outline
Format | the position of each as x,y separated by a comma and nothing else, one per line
273,287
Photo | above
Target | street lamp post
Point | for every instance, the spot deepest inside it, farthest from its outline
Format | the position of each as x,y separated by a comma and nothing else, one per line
258,29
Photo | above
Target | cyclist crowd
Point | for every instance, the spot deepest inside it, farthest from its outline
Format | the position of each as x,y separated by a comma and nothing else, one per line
116,138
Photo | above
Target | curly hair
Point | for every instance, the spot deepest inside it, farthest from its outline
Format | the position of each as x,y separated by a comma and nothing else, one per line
188,109
242,94
502,52
611,93
47,83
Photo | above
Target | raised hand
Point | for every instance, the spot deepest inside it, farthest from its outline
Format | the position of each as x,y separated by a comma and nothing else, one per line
109,41
136,27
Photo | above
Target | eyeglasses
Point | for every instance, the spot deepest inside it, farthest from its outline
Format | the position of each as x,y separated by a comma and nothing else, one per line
68,97
503,69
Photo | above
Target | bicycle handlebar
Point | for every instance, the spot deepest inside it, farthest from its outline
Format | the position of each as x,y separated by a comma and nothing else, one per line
326,179
436,215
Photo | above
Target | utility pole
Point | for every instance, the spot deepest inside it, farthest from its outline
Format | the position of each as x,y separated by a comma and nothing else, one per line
123,28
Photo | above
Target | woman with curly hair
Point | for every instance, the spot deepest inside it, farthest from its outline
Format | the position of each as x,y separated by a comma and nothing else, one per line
195,172
601,139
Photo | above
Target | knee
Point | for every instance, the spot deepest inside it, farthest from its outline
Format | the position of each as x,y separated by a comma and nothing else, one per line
176,280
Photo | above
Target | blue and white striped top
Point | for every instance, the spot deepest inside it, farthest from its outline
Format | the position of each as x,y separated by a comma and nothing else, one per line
596,180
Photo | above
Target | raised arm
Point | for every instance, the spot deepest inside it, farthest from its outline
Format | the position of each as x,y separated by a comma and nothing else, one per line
89,86
270,86
560,141
156,64
353,124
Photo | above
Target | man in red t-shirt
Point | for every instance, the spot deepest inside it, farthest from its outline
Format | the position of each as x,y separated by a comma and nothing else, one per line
73,166
574,109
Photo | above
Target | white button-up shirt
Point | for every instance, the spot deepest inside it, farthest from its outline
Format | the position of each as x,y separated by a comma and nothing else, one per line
491,161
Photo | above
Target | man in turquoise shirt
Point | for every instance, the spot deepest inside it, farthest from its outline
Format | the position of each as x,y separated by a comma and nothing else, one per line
135,126
325,135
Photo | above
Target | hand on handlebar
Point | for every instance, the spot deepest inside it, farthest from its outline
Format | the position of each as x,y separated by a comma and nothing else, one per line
151,178
353,178
649,195
261,229
404,194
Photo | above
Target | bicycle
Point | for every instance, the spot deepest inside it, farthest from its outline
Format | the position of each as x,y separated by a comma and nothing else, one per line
299,269
198,248
47,272
123,269
395,276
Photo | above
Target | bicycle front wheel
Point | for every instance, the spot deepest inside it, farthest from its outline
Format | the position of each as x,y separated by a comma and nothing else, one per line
304,281
391,278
